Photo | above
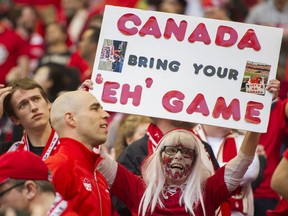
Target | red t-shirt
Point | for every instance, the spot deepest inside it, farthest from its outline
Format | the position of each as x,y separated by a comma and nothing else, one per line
78,62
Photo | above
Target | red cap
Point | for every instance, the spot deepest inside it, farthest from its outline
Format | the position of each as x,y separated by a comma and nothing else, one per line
22,165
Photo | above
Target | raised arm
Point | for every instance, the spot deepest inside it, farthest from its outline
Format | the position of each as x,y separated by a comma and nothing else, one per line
237,167
249,144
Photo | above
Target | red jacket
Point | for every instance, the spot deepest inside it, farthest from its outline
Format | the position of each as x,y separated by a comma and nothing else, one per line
75,178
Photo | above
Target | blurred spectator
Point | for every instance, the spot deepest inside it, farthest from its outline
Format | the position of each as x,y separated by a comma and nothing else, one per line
95,21
57,50
56,78
216,12
280,185
26,20
273,13
86,53
169,6
75,14
14,60
131,128
279,179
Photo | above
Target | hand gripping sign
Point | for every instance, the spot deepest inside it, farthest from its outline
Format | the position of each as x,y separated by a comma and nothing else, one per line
186,68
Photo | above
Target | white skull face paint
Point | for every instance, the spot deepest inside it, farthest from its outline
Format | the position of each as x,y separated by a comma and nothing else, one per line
177,162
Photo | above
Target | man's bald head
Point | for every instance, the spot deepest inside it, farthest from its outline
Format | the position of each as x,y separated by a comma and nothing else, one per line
68,102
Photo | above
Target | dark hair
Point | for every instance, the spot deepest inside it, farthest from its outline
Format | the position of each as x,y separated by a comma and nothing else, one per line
43,185
157,3
24,84
59,25
64,78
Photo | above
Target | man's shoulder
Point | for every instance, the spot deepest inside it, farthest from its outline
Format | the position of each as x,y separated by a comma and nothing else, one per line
58,160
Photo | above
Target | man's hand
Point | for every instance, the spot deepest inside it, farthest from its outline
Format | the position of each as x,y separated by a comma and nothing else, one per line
86,85
273,87
4,91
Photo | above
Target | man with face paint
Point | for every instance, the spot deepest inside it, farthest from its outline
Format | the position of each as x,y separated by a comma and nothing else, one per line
176,180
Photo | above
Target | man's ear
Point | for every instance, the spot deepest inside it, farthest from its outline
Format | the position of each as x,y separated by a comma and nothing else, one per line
15,120
70,119
49,105
30,189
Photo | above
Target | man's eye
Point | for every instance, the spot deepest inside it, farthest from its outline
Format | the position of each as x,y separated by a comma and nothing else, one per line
22,106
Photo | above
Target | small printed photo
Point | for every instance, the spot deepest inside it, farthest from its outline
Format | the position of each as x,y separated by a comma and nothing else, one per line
112,55
255,78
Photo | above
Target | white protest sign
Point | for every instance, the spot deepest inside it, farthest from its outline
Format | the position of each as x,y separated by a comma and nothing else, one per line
186,68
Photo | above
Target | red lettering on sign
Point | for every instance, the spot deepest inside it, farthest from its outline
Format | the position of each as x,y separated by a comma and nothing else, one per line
199,105
222,32
109,92
226,111
172,105
199,34
252,111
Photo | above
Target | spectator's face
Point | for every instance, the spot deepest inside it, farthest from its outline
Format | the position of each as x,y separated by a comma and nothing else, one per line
70,7
54,34
86,47
91,121
171,6
139,132
31,109
28,18
177,164
215,12
14,198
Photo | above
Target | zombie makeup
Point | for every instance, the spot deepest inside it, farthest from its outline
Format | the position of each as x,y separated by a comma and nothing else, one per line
177,161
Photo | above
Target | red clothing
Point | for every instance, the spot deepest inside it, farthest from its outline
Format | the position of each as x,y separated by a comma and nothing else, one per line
78,62
272,141
75,178
133,192
12,46
38,2
36,49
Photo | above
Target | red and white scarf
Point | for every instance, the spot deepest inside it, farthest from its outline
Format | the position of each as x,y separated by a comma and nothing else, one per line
155,135
58,207
49,148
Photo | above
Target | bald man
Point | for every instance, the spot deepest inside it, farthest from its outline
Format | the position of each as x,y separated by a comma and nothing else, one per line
81,124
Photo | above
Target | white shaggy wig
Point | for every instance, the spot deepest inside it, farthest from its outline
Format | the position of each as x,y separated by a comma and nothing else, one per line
155,177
